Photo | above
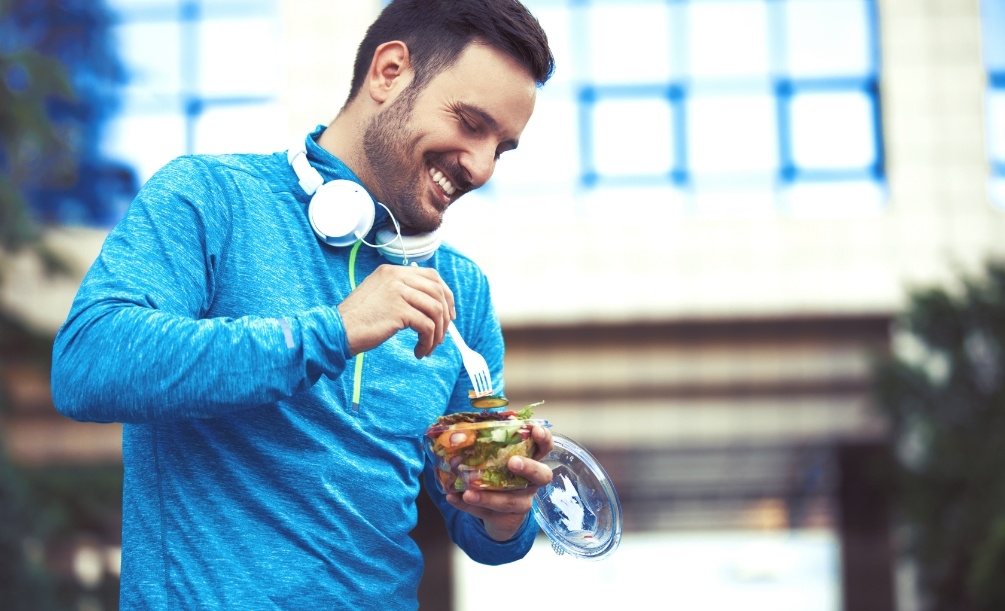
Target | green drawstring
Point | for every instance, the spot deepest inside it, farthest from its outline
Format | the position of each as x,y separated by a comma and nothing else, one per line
357,380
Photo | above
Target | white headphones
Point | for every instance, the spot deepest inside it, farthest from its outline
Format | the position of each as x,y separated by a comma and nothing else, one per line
341,213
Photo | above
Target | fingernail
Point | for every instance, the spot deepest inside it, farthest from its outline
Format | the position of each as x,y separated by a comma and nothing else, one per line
474,497
516,462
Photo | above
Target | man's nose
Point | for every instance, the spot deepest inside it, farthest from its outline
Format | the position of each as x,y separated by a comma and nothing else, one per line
480,163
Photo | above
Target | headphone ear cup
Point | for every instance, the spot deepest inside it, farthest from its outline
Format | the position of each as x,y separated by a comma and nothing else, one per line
341,212
406,248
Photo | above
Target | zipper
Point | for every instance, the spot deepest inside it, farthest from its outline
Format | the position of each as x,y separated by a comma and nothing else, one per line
357,376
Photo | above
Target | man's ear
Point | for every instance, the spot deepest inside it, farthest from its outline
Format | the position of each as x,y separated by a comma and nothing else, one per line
390,71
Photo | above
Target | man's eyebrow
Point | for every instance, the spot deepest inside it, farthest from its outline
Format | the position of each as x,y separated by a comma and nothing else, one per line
489,120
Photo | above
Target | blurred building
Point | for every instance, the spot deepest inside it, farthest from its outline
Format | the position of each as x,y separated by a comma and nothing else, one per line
694,257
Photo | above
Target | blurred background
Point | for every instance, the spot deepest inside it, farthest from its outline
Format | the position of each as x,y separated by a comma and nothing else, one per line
749,253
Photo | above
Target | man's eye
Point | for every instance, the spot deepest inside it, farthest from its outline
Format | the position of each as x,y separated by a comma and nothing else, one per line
468,125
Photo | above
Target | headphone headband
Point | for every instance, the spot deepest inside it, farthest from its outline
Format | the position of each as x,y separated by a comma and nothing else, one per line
403,249
310,179
341,212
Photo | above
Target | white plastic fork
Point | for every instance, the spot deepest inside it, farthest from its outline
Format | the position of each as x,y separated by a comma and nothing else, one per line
474,364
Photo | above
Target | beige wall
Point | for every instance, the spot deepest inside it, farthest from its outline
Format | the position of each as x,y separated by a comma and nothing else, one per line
321,40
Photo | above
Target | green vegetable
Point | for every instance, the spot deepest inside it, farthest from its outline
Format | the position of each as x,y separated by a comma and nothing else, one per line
480,462
504,434
489,402
528,411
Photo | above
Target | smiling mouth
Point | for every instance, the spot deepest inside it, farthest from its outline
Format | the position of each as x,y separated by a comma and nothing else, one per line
441,179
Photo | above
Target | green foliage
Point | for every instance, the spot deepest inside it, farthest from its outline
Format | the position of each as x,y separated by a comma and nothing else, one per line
44,515
49,121
59,85
33,146
23,584
943,394
46,512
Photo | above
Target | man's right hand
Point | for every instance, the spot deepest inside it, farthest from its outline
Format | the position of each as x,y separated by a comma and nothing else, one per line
395,297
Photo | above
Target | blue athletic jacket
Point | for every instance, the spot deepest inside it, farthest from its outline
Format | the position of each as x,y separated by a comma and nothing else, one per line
207,325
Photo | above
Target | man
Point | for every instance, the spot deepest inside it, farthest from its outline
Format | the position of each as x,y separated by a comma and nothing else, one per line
268,464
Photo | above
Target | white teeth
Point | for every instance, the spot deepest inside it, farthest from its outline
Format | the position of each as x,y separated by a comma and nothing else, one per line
441,180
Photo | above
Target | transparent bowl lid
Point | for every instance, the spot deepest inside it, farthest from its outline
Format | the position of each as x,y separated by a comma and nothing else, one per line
579,510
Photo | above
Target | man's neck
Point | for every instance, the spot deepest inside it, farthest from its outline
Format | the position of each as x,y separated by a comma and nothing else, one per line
342,138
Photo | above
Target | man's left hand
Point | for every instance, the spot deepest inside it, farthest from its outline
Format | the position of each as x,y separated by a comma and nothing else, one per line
504,512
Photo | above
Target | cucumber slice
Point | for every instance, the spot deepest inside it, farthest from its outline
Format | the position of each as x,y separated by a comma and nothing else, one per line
489,402
499,434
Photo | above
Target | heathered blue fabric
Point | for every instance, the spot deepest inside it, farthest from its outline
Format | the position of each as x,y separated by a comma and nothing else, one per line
207,325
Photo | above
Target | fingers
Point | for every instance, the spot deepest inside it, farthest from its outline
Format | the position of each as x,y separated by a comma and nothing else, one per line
485,503
535,472
433,304
438,287
544,442
433,309
393,298
503,512
510,501
501,526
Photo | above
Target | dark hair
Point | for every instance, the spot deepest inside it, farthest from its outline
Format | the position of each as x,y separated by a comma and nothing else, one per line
437,32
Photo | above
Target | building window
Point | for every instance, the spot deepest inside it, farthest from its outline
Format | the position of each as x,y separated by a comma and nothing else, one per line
740,106
993,19
203,76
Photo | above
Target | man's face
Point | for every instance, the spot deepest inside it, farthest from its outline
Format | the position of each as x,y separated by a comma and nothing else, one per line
429,147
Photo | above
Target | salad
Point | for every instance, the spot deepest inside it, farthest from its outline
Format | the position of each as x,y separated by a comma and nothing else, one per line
471,449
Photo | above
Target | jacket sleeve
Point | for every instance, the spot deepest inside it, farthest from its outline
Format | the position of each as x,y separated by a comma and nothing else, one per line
479,325
468,532
135,347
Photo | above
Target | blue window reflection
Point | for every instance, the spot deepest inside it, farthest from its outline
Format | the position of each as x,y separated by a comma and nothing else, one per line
203,76
58,80
735,104
152,80
993,21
